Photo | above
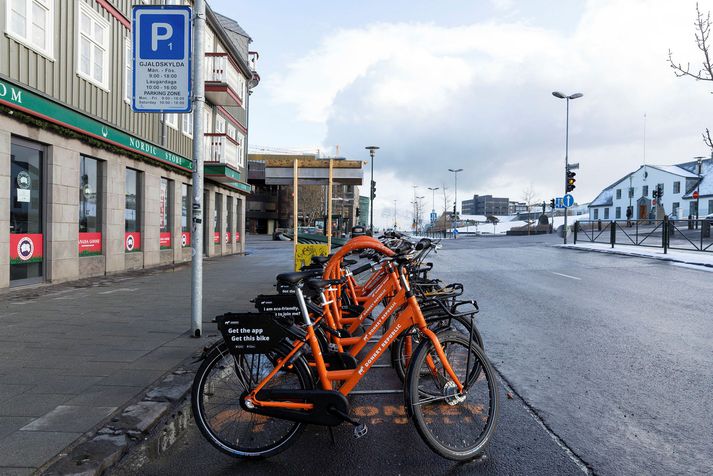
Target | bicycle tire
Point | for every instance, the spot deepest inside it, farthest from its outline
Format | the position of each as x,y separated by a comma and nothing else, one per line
446,421
257,428
399,353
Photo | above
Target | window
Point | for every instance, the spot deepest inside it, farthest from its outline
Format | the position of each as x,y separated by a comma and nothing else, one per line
645,191
165,212
31,23
661,187
207,120
676,187
132,211
631,192
93,61
229,230
171,120
220,124
596,213
674,208
241,149
606,213
618,193
618,213
90,195
187,125
710,206
185,207
128,64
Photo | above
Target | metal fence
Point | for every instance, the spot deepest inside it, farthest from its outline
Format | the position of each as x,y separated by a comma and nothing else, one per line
691,235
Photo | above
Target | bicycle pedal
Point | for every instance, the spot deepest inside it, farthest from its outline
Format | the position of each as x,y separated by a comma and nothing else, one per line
360,430
333,347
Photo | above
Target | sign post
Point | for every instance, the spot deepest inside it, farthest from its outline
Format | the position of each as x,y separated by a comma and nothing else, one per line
165,69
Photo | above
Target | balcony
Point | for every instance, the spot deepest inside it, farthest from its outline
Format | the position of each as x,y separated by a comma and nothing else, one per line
222,149
224,84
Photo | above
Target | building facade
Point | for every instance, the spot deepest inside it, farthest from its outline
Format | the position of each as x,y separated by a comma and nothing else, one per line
485,205
678,183
88,187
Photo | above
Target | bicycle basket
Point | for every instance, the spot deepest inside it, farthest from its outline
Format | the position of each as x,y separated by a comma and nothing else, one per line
251,333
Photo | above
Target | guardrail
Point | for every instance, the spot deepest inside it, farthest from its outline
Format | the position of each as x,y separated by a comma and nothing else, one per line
691,235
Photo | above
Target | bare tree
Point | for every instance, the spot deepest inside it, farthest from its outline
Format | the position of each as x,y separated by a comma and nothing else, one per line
311,203
702,27
528,196
447,198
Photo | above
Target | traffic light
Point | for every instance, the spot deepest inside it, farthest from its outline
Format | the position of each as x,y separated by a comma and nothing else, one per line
552,204
373,189
655,193
659,189
358,211
570,180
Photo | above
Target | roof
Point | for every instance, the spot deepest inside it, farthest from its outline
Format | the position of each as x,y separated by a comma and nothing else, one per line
705,186
675,170
232,25
605,198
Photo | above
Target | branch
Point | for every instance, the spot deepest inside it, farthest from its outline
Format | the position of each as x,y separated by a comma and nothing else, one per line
707,138
702,26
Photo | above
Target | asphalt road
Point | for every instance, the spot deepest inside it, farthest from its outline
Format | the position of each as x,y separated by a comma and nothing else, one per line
612,354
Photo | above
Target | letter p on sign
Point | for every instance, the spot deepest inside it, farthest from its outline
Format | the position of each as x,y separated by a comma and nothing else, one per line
157,36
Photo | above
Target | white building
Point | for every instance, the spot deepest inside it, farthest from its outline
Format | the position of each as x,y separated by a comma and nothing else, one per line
679,182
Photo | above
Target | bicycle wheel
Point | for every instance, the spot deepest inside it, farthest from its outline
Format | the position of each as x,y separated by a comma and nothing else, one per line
217,387
455,425
404,346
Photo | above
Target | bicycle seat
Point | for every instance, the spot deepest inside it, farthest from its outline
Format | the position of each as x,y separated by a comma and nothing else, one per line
319,284
320,259
297,276
349,262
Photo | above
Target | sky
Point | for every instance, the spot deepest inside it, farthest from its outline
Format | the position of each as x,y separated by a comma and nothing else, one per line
468,84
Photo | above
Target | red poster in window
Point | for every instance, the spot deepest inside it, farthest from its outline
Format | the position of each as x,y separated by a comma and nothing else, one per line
216,237
132,241
25,248
165,239
90,244
237,236
185,239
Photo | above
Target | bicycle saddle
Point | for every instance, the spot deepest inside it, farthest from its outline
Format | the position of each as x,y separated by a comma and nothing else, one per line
298,276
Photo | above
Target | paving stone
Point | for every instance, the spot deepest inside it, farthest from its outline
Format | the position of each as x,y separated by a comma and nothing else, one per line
9,425
5,471
69,418
133,377
33,448
106,396
32,404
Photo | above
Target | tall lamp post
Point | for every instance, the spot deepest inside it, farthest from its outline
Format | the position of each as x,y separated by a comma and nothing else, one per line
559,95
433,205
372,151
699,161
418,213
455,203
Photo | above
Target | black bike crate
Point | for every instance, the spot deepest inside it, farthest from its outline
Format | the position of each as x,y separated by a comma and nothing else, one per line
251,333
283,306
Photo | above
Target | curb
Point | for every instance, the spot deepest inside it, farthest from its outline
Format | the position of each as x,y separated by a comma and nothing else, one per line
634,255
146,427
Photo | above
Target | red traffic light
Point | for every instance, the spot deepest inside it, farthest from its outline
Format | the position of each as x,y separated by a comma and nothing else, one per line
696,195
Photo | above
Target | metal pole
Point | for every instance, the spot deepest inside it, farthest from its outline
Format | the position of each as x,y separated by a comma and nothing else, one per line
394,215
295,208
198,103
566,168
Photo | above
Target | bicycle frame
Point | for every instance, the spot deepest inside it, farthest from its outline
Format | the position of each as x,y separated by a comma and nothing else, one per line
410,316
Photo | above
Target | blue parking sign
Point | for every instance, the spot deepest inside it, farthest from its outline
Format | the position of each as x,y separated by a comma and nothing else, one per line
161,52
162,37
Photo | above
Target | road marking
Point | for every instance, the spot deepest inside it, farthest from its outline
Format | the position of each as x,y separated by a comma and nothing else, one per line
120,290
566,276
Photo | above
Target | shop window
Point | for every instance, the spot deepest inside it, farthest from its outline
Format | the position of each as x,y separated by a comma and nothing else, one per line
230,230
217,217
94,47
90,206
185,215
132,211
165,212
31,23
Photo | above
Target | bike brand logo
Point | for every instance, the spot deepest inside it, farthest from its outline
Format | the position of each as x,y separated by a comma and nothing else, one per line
130,242
25,248
377,352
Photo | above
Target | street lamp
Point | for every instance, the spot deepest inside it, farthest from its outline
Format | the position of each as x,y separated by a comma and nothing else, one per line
418,213
699,161
559,95
455,204
433,205
372,150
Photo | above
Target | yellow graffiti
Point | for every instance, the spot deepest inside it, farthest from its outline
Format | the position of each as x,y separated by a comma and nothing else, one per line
304,254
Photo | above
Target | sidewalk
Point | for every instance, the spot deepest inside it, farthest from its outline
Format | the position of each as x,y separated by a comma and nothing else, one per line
694,258
71,354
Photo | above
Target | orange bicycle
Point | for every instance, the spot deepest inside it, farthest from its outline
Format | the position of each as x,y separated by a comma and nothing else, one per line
255,390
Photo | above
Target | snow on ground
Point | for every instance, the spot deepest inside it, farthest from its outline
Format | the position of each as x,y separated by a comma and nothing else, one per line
484,228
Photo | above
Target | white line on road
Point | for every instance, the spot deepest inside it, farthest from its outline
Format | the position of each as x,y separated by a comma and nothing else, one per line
120,290
566,276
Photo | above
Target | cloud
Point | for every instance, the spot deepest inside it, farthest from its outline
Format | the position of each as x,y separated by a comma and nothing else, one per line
479,97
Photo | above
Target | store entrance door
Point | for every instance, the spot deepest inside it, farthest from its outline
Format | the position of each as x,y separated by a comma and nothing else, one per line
26,213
